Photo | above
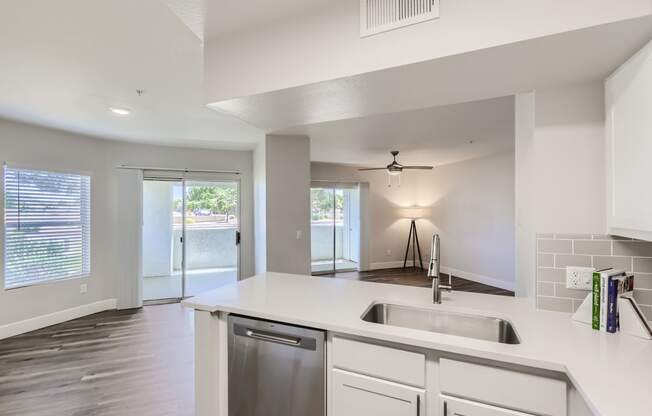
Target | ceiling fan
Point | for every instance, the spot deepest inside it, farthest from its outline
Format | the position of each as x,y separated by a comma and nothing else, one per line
396,168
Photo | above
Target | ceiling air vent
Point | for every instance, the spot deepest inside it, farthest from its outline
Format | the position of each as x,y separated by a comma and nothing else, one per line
378,16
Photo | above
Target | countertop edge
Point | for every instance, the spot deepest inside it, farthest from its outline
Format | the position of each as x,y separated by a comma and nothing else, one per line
266,297
406,340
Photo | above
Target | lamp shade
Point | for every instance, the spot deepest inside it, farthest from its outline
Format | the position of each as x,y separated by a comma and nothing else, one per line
414,213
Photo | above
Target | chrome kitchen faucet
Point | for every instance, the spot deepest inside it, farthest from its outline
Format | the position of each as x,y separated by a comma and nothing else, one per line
433,271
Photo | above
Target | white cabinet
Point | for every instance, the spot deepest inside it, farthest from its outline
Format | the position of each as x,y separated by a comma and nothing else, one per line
503,388
367,379
451,406
358,395
629,147
405,367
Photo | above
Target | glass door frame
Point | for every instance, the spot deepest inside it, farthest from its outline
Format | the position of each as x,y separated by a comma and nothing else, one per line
183,178
331,191
332,188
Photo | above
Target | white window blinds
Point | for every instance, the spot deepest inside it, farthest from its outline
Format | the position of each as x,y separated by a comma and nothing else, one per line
47,226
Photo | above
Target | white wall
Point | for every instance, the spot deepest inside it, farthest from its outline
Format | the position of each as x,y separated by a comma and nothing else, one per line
470,204
560,175
115,207
287,204
329,40
569,160
474,215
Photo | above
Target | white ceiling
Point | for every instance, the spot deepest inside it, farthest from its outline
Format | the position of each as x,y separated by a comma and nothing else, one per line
572,57
191,12
64,63
437,135
227,16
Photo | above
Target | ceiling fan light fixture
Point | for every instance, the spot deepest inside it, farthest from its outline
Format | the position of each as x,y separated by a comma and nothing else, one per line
395,168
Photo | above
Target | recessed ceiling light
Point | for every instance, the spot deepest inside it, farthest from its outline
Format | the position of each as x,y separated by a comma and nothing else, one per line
120,111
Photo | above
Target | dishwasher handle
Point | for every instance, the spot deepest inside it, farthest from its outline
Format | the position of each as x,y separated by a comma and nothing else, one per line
280,338
275,337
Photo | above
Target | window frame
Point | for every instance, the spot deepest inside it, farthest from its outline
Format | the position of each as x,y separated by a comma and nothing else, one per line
3,255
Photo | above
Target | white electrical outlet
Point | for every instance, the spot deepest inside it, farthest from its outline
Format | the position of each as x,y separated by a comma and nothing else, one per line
579,277
83,288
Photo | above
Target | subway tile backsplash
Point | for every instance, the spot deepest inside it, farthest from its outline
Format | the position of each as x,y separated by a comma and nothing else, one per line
556,251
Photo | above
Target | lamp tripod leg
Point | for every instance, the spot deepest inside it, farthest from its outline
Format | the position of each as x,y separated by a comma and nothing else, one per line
416,236
414,248
407,249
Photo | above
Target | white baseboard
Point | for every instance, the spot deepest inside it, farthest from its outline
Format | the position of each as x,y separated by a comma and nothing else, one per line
32,324
491,281
391,265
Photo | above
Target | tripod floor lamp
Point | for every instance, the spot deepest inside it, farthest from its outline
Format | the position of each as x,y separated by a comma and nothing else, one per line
413,214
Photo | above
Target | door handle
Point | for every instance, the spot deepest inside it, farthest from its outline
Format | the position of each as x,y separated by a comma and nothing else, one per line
376,393
237,238
454,413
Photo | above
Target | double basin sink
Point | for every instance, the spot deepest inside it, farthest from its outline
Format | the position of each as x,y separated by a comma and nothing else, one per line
445,322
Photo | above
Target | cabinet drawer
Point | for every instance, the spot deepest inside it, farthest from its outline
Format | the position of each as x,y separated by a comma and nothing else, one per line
388,363
357,395
452,406
503,388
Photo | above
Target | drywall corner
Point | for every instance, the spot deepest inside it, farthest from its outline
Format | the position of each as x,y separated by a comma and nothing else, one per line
260,208
524,119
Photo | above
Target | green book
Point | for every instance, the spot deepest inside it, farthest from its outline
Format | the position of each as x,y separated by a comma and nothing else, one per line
595,318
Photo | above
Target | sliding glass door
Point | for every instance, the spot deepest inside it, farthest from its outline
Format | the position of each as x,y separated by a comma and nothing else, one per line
190,238
322,229
335,227
212,234
162,225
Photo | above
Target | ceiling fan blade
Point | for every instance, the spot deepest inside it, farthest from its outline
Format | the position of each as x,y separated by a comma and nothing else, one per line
418,167
372,169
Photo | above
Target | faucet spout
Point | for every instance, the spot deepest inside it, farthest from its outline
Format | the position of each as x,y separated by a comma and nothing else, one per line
433,266
433,271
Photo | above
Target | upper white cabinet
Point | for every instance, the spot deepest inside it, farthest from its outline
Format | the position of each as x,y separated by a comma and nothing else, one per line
629,147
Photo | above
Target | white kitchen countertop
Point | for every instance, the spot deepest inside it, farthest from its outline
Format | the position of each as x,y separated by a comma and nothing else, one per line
613,372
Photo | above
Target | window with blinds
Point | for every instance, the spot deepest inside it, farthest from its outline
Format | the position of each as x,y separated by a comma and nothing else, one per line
47,226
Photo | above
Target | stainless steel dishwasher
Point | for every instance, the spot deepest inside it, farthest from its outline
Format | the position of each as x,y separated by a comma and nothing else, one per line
275,369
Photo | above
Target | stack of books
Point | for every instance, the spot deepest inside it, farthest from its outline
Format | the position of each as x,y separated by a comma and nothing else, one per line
608,286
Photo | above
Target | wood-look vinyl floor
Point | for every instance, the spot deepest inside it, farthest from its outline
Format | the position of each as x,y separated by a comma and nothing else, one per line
135,362
123,363
416,277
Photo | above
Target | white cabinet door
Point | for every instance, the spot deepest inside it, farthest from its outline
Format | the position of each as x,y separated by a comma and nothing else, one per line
403,367
503,388
452,406
629,147
357,395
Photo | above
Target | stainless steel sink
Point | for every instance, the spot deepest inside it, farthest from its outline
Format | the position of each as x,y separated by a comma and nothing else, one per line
445,322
